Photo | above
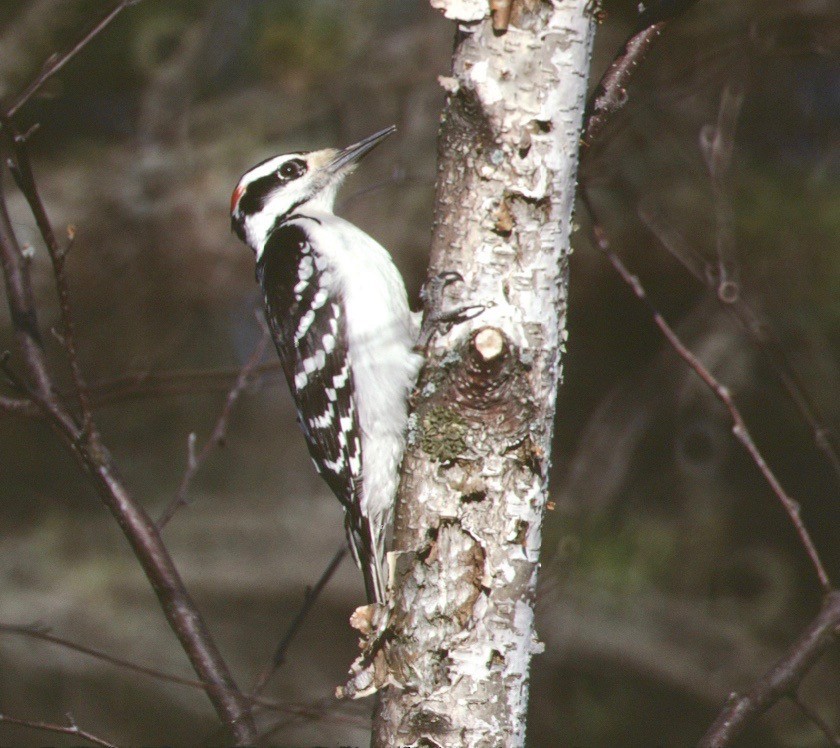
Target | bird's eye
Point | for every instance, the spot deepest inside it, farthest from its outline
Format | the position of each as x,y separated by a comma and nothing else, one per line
292,169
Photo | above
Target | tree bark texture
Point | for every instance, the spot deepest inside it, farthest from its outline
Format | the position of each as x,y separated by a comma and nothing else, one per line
453,664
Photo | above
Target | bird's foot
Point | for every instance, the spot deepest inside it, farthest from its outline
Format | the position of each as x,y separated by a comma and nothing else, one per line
438,320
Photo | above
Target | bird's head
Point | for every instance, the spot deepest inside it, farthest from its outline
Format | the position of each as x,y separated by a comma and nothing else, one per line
281,185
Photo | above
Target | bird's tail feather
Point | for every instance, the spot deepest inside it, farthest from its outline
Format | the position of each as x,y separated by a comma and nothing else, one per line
368,555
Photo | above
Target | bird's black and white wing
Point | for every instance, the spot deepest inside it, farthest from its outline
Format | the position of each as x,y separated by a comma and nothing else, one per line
310,333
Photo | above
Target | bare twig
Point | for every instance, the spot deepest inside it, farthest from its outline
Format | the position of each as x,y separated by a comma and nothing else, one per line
717,143
756,327
831,735
87,447
33,632
782,680
71,728
19,406
318,710
34,28
217,437
21,302
57,61
739,428
179,382
610,95
144,385
21,169
309,598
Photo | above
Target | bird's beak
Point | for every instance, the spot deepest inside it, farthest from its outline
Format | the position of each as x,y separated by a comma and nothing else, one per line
353,153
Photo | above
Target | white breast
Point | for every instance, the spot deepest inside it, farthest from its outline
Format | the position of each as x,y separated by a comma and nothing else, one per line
381,335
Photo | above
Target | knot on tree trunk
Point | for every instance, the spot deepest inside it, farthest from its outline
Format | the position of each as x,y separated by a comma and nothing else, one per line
483,396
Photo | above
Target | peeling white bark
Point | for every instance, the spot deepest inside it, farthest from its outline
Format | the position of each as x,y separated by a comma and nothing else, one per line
453,665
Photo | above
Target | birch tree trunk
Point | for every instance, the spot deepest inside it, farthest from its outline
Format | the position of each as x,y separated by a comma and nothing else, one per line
460,638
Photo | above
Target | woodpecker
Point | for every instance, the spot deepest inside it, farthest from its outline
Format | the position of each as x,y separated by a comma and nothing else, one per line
338,312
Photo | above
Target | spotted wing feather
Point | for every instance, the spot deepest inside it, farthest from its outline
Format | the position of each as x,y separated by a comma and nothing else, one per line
310,333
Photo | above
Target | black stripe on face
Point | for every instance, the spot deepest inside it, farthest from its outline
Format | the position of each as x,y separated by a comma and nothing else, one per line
257,192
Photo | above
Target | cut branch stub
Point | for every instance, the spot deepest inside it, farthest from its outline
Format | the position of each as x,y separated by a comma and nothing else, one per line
480,398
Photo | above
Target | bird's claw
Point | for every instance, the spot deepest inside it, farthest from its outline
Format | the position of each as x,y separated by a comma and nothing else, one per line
443,321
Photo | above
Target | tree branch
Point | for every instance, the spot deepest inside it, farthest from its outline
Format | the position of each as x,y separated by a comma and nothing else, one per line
831,736
31,632
717,143
756,327
69,729
33,30
21,169
610,95
19,406
739,428
217,436
309,598
108,392
22,310
57,61
781,681
86,445
318,710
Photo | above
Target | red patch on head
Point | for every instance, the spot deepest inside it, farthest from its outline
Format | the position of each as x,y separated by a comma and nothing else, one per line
234,198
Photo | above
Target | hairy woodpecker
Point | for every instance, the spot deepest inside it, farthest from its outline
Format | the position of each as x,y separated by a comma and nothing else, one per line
338,312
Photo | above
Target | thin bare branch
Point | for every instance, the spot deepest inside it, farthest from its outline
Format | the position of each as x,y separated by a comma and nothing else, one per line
19,406
319,710
71,728
739,428
21,300
781,680
145,385
309,598
87,447
57,61
33,30
21,169
717,143
610,95
759,330
217,437
831,735
34,632
170,383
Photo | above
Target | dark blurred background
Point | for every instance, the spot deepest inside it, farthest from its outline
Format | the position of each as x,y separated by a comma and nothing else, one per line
671,575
